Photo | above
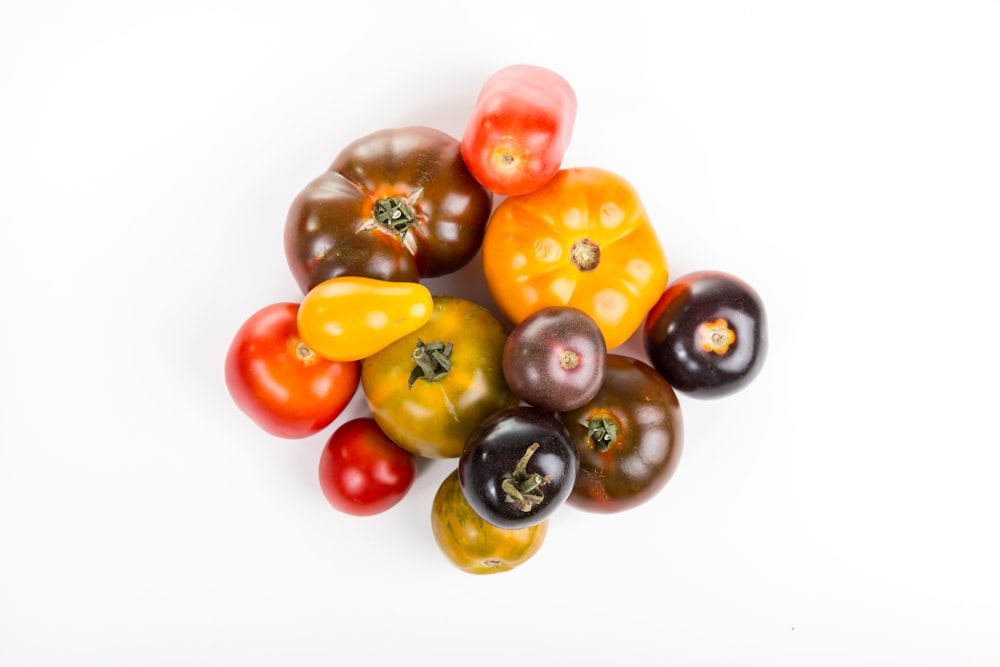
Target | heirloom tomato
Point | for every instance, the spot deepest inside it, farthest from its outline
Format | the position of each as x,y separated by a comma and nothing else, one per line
707,334
280,382
583,240
349,317
397,205
362,472
629,438
431,388
473,545
518,467
520,128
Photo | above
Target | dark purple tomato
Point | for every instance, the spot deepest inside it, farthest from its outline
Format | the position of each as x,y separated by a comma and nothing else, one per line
628,438
707,334
554,359
517,467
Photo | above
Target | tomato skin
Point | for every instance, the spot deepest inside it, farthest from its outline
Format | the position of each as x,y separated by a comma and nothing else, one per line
520,128
644,453
473,545
349,318
282,385
583,240
361,471
434,418
679,330
332,228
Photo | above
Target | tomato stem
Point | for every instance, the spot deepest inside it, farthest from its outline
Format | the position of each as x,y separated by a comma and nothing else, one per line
522,490
433,361
603,431
397,213
585,255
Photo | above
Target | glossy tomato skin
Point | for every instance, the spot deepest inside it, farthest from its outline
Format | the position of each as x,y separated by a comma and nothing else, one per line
583,240
279,382
554,359
629,438
361,471
518,132
348,318
524,447
398,205
707,334
433,417
473,545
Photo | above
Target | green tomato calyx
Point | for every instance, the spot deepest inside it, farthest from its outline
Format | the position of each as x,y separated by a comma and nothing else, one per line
524,490
433,361
603,431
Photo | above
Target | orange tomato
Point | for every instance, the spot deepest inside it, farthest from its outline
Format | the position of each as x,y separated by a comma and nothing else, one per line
582,240
349,318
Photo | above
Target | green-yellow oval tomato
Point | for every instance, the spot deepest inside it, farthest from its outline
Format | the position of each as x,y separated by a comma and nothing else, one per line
472,544
432,387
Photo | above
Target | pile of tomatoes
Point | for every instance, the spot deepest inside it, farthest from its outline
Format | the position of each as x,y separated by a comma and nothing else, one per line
538,408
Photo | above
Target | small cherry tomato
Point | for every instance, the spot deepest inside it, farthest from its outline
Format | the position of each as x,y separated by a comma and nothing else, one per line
583,240
473,545
350,318
707,334
280,382
431,388
361,471
628,437
519,130
518,467
554,360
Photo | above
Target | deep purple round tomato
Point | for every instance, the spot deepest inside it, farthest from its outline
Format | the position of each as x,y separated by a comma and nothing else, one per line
707,334
554,359
517,467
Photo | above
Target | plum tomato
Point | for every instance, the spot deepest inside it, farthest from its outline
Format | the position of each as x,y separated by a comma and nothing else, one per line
280,382
628,438
554,359
518,467
707,334
361,471
473,545
431,388
520,128
398,204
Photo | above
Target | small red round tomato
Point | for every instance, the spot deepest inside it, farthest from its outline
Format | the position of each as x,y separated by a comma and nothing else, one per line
281,383
473,545
361,471
520,128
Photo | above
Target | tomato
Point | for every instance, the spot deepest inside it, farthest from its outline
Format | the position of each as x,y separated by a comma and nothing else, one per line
282,384
431,388
518,132
473,545
362,472
349,318
397,205
629,438
554,359
518,467
707,334
583,240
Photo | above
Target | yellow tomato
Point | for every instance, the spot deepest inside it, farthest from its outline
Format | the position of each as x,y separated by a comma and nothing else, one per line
472,544
349,318
583,240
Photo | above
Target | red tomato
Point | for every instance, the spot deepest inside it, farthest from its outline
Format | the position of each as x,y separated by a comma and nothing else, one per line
361,471
519,130
279,382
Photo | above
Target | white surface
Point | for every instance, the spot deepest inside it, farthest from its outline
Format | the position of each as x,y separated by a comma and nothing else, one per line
842,157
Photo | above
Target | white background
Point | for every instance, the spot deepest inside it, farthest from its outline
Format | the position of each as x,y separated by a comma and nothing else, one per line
842,157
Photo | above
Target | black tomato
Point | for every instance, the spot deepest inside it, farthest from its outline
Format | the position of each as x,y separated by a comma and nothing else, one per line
517,467
707,334
554,359
628,438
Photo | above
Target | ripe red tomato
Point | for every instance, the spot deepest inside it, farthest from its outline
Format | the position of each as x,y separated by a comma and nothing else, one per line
519,130
361,471
279,382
